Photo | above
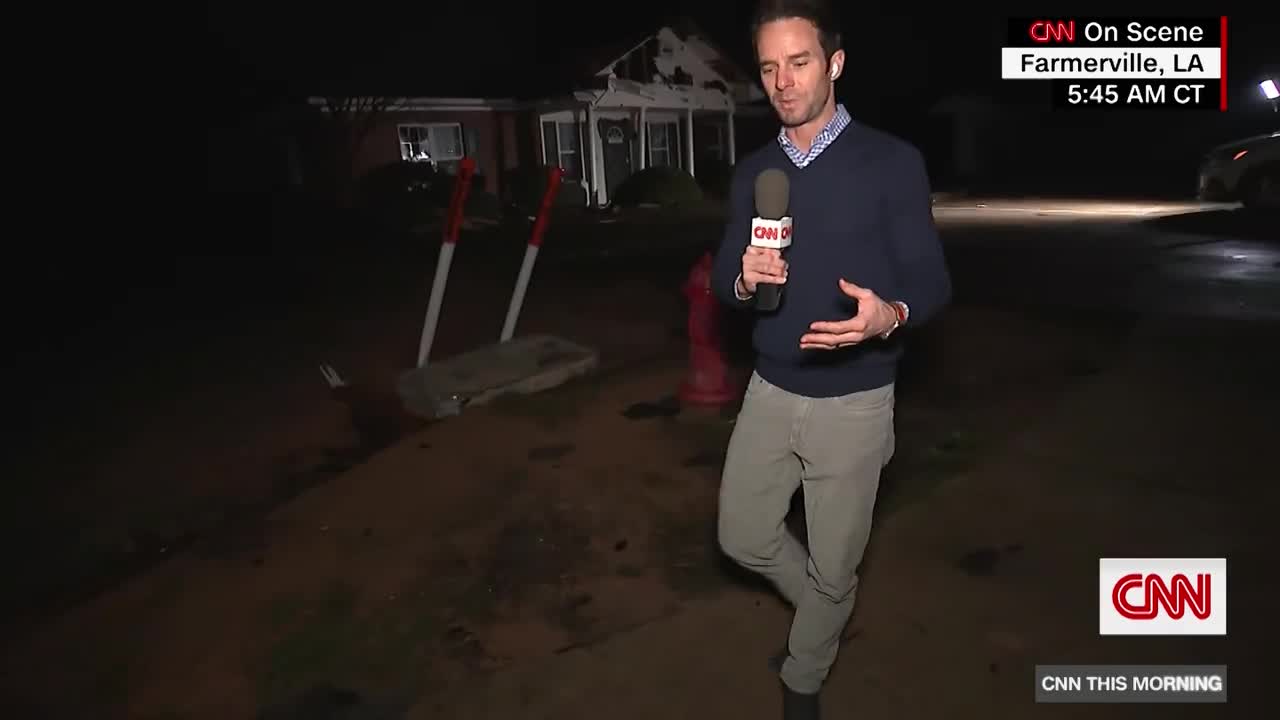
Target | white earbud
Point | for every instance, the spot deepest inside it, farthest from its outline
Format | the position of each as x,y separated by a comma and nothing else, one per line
835,68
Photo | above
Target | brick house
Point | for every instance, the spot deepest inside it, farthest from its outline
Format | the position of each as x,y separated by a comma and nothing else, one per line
664,98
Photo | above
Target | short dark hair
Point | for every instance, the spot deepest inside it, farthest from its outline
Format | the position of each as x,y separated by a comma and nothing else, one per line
818,12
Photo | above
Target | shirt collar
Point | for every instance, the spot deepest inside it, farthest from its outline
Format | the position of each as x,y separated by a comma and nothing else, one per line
821,141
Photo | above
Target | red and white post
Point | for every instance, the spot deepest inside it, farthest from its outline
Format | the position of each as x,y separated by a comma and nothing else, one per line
531,252
452,224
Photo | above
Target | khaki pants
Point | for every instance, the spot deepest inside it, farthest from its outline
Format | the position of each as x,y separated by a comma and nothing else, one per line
835,448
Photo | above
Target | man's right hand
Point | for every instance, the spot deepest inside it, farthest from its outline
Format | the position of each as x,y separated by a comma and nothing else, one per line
762,265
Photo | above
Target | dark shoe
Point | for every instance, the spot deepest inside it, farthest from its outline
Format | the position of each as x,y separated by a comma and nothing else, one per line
799,706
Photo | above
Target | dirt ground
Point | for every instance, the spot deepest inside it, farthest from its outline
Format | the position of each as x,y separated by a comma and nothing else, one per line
554,555
528,558
194,419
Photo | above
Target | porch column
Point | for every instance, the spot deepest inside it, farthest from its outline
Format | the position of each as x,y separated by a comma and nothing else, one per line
688,138
593,141
733,147
643,130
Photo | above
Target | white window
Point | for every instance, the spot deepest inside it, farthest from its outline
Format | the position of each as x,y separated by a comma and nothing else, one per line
562,145
714,147
663,148
440,144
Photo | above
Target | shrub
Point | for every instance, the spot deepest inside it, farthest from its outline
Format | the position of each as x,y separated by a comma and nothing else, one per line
526,185
714,177
407,194
663,186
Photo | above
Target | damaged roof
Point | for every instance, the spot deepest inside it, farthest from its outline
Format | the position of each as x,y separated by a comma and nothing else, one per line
514,70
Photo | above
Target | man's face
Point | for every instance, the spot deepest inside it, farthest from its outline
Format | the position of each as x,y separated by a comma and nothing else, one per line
794,70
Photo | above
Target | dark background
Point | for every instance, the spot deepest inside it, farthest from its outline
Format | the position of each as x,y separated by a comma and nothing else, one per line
907,56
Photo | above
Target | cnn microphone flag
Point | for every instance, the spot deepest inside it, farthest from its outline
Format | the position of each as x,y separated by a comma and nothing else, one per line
771,233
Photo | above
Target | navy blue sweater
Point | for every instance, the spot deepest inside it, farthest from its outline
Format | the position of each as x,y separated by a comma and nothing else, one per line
862,212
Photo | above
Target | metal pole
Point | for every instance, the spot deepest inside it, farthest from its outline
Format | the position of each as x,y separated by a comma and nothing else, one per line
452,225
531,253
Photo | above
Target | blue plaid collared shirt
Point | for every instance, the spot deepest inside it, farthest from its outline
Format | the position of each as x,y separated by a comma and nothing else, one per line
821,141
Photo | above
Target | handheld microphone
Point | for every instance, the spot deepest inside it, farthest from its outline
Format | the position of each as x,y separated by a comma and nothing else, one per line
771,228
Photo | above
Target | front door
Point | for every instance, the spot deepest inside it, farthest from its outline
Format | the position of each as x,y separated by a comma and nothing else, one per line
615,137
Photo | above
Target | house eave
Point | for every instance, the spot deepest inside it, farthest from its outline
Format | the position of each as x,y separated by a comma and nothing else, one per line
426,104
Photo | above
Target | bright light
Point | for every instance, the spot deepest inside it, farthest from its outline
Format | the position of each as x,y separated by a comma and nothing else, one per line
1269,89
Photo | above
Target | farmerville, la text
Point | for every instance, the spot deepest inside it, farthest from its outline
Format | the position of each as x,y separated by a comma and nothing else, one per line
1095,63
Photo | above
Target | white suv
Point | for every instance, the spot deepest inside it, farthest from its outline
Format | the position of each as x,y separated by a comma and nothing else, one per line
1245,171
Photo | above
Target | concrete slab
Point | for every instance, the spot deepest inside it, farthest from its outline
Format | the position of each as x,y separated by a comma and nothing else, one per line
523,366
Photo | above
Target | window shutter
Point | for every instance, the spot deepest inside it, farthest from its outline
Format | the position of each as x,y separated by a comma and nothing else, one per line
471,142
550,144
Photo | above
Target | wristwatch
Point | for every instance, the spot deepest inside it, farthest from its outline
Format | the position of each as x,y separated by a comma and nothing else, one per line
901,313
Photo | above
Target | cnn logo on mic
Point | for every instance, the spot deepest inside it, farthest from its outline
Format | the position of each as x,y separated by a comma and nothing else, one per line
1162,596
771,233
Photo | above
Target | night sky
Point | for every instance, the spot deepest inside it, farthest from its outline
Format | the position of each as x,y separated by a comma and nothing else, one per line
386,47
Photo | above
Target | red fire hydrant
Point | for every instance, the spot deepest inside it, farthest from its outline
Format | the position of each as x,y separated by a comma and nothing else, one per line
708,380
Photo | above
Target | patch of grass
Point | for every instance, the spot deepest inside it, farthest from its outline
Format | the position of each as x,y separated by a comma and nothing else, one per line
560,405
166,594
110,686
953,453
282,610
689,552
1181,482
554,407
324,639
98,666
709,432
475,601
914,475
318,641
64,554
700,440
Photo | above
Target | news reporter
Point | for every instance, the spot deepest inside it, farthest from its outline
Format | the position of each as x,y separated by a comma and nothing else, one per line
865,265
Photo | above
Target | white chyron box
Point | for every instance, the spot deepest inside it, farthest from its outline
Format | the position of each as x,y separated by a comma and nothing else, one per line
771,233
1162,596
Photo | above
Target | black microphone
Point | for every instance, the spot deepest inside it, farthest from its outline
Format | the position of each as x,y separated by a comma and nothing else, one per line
771,227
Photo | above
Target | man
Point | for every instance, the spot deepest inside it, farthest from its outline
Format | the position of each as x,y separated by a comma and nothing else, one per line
865,267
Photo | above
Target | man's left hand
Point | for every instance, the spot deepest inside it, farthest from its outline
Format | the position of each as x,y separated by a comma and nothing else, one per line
875,317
